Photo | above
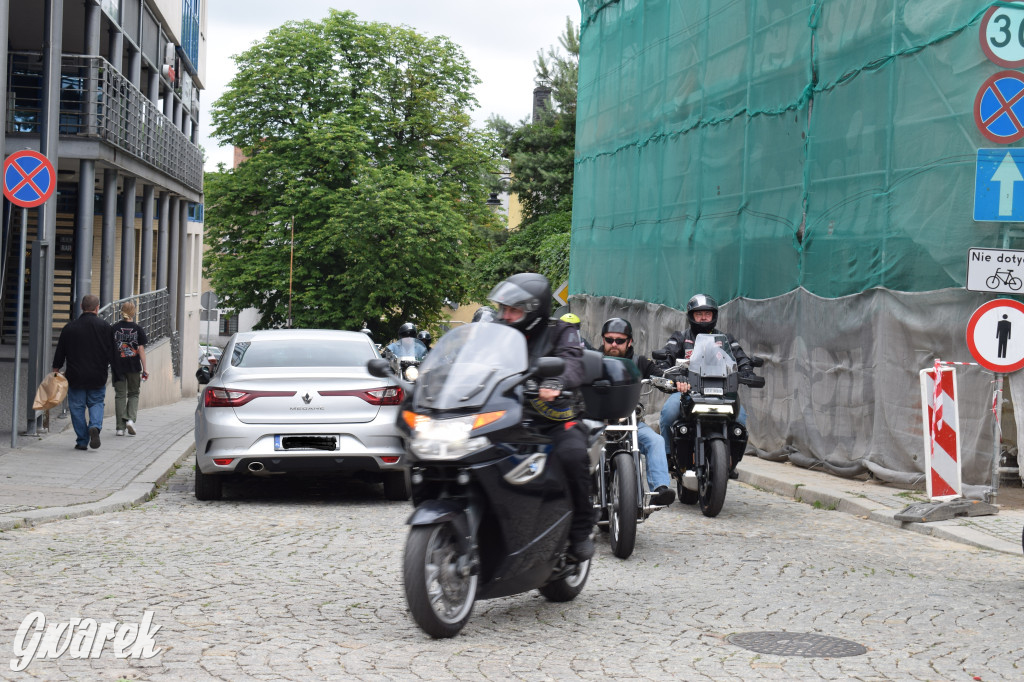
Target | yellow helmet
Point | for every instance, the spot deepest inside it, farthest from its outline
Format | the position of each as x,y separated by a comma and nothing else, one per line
571,318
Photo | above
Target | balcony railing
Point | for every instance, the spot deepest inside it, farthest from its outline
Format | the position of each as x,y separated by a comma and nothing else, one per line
97,102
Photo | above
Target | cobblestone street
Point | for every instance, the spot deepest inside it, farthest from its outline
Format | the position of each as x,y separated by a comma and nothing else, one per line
303,581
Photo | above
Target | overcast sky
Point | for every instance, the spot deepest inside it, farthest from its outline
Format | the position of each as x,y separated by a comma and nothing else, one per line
501,39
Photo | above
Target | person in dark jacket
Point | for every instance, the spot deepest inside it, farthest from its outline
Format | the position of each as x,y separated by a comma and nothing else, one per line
617,342
128,368
85,344
702,315
524,303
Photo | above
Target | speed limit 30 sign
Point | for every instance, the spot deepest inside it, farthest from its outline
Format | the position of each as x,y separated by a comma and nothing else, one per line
1002,33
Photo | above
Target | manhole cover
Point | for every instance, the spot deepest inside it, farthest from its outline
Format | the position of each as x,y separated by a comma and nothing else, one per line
796,644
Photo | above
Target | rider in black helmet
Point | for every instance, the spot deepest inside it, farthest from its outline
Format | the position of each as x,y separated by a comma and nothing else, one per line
702,315
426,338
408,331
524,302
484,313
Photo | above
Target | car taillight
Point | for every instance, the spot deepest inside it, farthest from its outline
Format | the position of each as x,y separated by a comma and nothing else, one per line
387,395
232,397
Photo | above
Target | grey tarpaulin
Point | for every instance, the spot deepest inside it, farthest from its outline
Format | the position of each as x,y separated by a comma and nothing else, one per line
844,395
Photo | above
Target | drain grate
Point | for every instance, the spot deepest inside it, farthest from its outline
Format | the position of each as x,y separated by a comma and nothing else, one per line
805,644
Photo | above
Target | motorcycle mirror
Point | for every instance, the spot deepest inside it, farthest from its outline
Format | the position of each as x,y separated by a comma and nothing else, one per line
203,375
379,367
547,367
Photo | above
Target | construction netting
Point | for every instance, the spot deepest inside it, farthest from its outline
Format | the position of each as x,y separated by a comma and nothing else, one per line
812,165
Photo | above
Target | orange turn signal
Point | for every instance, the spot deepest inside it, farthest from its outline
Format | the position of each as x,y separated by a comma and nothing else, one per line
412,420
487,418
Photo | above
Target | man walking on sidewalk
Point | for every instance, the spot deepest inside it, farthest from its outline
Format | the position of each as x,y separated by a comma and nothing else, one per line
85,344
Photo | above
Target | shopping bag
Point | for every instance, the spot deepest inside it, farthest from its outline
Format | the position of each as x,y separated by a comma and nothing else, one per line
51,392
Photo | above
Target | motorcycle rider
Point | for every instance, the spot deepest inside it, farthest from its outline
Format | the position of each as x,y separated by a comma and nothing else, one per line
484,313
425,337
408,330
702,315
524,303
574,320
617,341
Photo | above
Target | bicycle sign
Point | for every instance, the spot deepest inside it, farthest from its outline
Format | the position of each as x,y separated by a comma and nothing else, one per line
995,270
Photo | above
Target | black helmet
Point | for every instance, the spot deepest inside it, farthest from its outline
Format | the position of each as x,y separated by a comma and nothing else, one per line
617,325
425,337
407,329
702,302
527,291
484,313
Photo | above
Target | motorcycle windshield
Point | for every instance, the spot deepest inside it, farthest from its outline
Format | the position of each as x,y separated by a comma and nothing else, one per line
407,349
712,356
462,369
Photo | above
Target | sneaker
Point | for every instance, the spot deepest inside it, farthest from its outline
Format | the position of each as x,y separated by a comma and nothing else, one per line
129,426
81,447
119,432
734,475
663,496
583,549
94,437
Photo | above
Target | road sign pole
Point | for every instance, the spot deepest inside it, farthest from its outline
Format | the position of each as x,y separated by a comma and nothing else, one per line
997,434
22,245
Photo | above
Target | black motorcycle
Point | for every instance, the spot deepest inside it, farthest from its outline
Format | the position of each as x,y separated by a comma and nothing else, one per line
707,440
492,517
623,495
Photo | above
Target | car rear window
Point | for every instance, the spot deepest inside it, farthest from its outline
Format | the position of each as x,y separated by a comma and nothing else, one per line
302,353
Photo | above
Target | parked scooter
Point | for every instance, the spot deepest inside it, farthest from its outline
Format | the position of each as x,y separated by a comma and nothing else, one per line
492,517
706,439
623,494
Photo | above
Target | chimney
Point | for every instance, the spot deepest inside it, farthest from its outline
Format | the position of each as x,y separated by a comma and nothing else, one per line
541,100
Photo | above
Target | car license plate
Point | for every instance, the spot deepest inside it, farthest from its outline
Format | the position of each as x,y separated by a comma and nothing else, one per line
713,391
306,442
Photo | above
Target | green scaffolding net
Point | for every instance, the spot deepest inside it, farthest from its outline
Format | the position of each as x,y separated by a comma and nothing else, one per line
754,147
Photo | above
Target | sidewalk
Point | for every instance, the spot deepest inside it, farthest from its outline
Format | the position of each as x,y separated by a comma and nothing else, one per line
46,479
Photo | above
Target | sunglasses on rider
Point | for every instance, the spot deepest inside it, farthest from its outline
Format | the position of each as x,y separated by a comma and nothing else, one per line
616,342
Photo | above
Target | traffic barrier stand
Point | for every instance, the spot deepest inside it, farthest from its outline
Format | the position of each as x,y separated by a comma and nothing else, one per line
941,431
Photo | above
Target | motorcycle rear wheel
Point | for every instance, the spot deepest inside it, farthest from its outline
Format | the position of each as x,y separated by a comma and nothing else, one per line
712,489
439,597
566,589
622,506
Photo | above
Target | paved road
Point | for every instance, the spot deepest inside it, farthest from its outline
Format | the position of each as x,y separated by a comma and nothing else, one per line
304,583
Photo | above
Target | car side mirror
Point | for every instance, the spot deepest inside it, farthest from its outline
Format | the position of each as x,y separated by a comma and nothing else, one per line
379,367
548,367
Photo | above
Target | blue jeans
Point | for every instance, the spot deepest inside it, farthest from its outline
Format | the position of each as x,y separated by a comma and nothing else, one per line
670,413
653,448
80,400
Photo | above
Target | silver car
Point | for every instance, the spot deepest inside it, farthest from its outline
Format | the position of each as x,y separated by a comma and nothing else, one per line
298,400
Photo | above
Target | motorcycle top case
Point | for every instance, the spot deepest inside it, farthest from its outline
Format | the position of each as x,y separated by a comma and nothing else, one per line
613,388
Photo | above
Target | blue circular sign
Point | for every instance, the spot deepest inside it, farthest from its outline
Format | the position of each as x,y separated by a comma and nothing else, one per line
29,178
999,107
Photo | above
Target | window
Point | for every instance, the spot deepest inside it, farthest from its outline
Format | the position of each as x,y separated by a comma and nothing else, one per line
190,31
228,325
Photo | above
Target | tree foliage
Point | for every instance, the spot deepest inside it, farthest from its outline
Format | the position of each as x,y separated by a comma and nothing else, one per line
540,161
358,134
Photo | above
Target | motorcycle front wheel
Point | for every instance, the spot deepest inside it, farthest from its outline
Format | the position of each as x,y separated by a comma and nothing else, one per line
622,506
440,597
712,488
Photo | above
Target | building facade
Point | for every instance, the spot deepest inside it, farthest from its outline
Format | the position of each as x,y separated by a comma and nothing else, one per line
109,91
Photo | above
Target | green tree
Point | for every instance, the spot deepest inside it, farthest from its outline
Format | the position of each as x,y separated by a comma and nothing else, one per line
357,134
540,161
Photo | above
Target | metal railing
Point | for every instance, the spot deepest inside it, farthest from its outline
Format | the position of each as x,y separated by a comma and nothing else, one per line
153,313
97,102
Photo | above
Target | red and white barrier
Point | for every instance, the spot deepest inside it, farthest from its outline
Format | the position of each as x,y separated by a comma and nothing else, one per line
941,432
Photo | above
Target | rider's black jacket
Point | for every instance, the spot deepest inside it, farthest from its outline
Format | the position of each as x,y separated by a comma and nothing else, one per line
680,345
561,340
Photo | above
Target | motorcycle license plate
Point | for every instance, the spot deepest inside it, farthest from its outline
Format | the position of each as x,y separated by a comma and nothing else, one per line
713,391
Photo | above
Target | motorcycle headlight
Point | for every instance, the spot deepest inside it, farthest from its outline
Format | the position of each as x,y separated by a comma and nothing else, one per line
411,373
445,438
712,409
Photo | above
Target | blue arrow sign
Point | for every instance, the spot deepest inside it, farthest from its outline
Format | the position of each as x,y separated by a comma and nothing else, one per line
999,186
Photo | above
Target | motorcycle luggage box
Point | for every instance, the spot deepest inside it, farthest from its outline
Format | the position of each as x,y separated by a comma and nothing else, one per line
616,394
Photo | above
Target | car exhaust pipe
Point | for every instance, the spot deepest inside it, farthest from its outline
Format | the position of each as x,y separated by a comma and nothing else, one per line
255,467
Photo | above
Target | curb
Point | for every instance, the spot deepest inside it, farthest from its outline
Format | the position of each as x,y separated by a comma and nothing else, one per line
140,490
877,512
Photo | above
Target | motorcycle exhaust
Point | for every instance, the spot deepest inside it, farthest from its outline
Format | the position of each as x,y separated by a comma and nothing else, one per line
690,481
255,467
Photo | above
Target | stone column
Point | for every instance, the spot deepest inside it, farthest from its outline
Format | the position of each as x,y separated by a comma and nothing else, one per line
107,238
146,241
127,237
163,224
83,233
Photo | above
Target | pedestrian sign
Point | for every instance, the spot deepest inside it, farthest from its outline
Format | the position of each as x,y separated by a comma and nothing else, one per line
995,335
29,178
999,107
999,185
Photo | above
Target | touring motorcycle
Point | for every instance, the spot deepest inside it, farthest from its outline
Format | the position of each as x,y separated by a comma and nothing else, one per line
492,513
404,362
707,440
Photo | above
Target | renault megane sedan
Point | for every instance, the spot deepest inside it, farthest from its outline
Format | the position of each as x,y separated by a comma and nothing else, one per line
298,401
